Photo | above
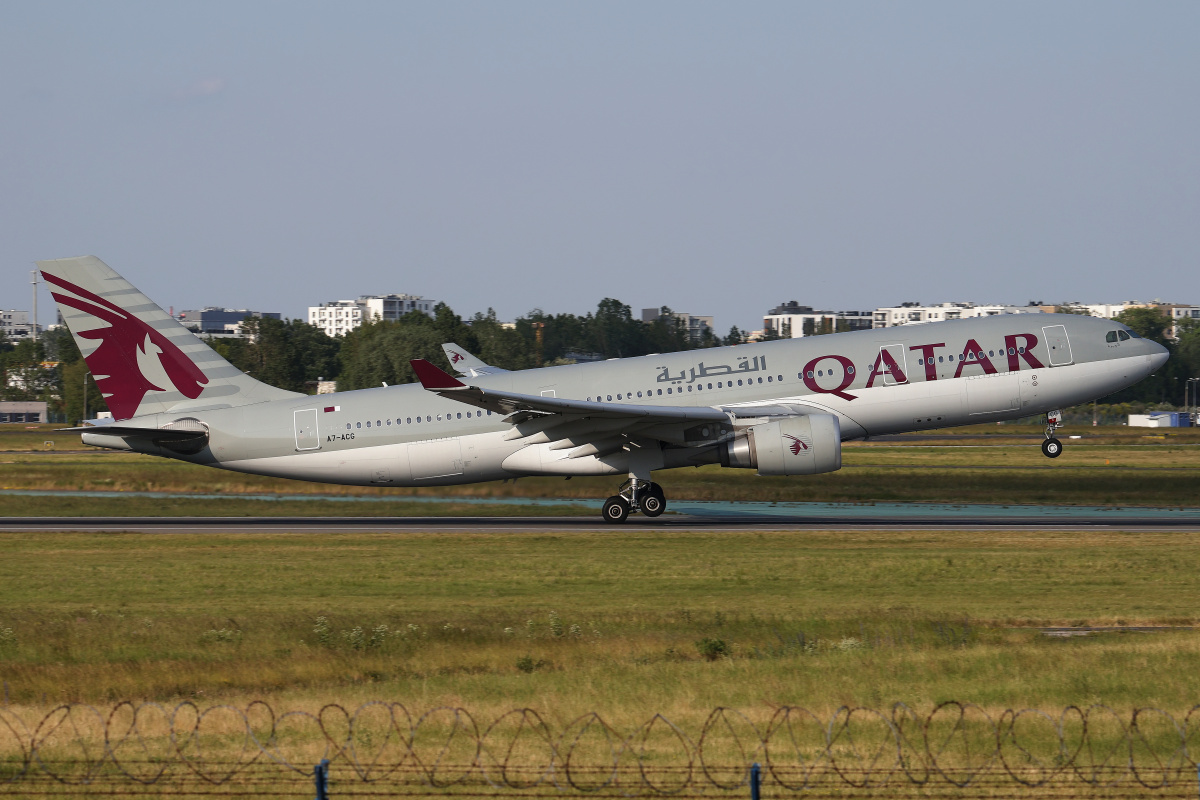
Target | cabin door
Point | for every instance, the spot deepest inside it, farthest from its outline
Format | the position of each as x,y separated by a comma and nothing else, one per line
306,429
891,364
1058,345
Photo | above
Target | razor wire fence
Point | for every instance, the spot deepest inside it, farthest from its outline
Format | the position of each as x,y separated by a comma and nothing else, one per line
381,749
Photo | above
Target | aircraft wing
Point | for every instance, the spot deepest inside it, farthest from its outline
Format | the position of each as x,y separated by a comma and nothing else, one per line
595,428
466,364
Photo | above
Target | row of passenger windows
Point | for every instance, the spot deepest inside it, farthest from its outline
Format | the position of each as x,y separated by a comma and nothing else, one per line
699,387
968,356
379,423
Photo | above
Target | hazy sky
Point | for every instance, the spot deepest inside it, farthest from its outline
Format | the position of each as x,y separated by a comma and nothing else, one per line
719,158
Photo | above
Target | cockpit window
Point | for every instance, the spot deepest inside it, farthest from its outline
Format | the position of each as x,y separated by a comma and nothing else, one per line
1132,334
1111,337
1124,336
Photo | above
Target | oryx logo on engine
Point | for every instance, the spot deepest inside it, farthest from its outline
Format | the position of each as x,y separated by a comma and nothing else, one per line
797,444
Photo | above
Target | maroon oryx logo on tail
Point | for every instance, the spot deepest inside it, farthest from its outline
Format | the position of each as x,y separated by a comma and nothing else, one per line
455,357
114,364
797,444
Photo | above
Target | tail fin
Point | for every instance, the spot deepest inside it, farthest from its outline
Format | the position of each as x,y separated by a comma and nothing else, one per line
144,362
466,364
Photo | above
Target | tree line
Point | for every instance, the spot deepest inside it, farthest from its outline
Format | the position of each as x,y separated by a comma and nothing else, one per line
294,355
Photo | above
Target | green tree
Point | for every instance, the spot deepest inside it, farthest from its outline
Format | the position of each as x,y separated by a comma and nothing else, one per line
500,346
379,352
285,354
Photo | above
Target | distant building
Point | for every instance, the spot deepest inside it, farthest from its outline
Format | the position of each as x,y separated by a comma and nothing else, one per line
915,313
339,317
1161,419
791,320
21,411
15,325
695,325
1176,312
214,321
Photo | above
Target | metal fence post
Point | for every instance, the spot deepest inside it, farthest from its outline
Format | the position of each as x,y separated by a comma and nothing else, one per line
755,780
321,779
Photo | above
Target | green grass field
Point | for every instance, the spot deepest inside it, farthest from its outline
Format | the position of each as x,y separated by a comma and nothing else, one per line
622,622
602,620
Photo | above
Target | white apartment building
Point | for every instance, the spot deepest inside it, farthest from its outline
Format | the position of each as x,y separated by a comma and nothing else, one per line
913,313
15,324
338,317
791,320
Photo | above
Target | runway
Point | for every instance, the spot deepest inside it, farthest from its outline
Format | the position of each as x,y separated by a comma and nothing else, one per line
670,522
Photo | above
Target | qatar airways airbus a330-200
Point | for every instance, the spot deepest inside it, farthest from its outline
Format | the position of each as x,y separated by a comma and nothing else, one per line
779,407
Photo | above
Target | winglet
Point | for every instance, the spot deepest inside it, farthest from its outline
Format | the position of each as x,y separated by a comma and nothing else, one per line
433,378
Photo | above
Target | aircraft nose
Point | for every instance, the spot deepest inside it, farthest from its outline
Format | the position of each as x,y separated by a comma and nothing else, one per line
1158,356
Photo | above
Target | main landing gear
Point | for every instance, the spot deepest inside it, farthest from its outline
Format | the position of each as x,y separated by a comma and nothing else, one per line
635,495
1052,447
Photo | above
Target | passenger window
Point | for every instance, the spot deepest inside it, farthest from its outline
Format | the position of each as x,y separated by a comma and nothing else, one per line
389,422
660,391
689,388
428,418
378,424
810,373
940,359
1110,337
1021,350
760,380
639,394
348,426
459,415
468,415
710,385
1012,351
410,420
850,370
1124,336
668,390
359,424
609,397
770,378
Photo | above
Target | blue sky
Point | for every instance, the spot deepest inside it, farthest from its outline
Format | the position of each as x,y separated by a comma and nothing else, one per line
716,157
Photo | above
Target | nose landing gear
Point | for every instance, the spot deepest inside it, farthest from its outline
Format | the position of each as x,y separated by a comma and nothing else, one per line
1052,447
635,495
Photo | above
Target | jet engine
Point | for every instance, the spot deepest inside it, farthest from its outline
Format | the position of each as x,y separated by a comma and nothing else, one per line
804,445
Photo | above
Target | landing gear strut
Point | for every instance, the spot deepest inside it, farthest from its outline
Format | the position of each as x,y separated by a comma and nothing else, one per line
1052,447
635,495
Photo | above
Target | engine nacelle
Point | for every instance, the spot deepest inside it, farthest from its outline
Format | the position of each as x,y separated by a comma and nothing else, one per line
805,445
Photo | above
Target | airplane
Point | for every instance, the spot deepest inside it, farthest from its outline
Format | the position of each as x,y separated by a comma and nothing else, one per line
780,407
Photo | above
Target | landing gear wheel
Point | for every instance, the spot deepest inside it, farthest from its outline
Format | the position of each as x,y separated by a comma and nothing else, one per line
1052,448
616,509
654,501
